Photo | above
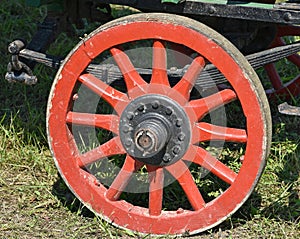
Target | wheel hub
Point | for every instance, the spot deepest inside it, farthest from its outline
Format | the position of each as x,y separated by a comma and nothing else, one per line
155,130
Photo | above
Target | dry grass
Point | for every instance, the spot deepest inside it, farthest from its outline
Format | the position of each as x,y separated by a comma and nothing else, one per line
35,203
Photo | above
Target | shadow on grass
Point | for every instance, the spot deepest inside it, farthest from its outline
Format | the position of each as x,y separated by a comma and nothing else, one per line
69,200
245,213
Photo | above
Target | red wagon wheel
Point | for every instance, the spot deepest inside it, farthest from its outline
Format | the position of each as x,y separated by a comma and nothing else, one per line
290,88
157,128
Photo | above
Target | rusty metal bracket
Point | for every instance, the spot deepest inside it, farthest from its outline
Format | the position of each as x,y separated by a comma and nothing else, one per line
18,71
287,109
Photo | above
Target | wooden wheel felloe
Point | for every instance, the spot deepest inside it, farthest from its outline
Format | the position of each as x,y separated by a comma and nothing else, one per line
157,127
279,88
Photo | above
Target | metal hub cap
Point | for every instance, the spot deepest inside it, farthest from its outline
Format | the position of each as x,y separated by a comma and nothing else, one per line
153,131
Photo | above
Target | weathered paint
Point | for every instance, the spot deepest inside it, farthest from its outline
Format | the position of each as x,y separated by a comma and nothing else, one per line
248,90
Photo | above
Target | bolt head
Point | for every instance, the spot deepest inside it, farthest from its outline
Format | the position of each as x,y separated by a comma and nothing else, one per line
155,104
167,158
130,115
180,210
126,128
179,122
141,107
169,111
75,97
128,142
211,9
13,48
181,136
176,150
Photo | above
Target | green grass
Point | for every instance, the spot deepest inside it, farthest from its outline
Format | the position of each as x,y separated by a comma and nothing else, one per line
35,202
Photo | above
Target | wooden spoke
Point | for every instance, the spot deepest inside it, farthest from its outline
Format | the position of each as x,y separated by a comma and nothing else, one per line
159,64
109,94
156,180
121,181
207,132
110,148
183,175
131,76
107,122
204,159
202,106
186,84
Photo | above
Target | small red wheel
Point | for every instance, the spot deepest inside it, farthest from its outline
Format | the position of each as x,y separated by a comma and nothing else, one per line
291,87
136,151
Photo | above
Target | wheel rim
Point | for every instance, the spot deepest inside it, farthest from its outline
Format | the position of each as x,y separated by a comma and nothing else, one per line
279,88
105,200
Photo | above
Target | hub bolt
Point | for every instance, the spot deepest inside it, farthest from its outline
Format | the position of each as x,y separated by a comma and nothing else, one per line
169,111
179,122
176,150
128,142
130,115
141,107
126,128
155,104
167,158
181,136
